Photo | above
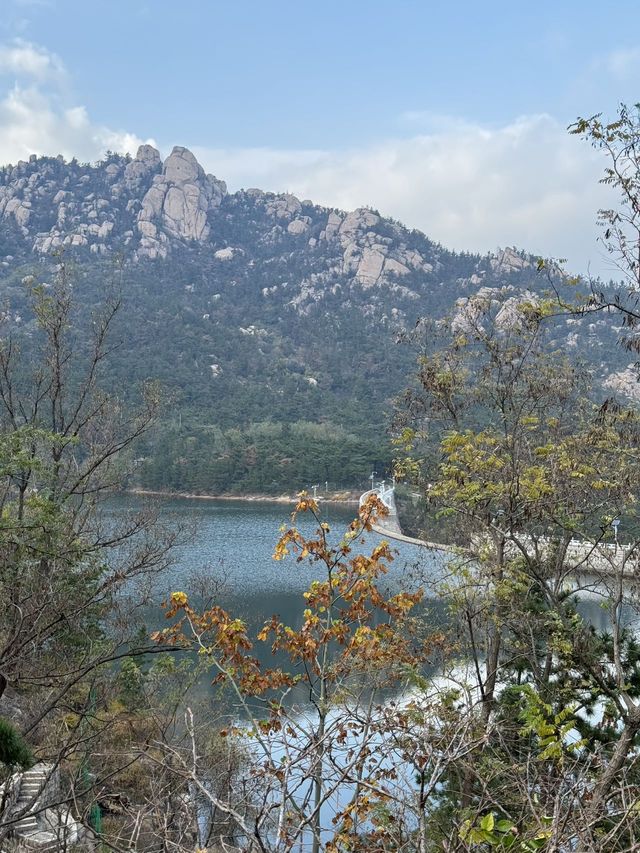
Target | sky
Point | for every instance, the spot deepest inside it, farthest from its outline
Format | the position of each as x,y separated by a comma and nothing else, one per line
450,117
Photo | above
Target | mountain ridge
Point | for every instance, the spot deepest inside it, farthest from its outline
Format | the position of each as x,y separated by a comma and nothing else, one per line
143,205
257,310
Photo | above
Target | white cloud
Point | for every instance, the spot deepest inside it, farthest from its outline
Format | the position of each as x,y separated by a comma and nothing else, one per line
32,122
527,183
37,115
22,59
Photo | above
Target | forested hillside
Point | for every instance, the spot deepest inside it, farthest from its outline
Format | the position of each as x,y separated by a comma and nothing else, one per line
272,324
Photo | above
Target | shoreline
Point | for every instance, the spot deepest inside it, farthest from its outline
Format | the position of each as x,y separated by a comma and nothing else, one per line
347,498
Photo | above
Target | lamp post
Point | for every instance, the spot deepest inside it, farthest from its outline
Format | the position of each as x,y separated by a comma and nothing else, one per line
371,477
615,524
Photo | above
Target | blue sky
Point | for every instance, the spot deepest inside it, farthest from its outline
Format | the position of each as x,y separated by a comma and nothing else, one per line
448,116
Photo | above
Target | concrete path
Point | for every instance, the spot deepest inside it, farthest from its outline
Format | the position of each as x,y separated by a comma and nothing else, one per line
389,526
586,558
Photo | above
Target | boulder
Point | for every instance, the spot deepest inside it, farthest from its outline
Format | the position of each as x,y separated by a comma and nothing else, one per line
147,161
625,382
358,220
224,254
395,267
297,226
20,210
284,206
370,267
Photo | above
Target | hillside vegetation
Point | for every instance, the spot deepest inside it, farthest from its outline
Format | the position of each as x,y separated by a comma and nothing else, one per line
272,323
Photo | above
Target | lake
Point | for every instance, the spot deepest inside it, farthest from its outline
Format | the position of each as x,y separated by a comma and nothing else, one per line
231,550
232,547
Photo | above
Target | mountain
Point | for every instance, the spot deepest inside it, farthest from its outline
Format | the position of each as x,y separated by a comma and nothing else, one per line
271,320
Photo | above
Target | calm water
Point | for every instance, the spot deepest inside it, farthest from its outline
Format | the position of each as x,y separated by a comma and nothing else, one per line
230,554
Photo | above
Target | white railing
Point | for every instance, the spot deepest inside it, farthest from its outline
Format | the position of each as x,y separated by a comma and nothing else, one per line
386,495
603,558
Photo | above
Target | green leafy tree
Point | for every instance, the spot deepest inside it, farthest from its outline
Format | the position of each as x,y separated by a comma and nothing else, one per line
501,436
64,565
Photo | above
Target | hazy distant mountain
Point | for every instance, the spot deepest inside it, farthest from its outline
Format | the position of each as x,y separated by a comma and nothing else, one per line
254,307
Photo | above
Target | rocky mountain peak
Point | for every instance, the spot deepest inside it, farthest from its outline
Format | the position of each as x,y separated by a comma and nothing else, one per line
181,166
139,205
147,208
244,297
148,155
147,161
178,204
